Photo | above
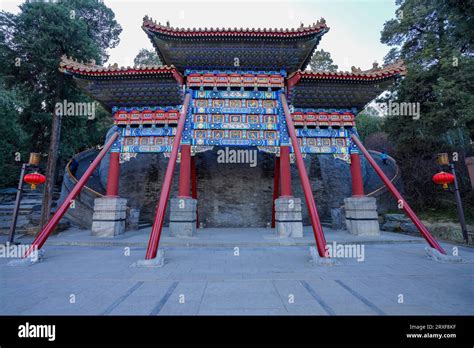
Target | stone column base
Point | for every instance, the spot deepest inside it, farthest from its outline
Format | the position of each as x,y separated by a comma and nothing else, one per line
183,217
109,216
361,216
288,218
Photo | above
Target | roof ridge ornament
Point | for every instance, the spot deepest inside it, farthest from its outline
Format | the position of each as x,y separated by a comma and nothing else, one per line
168,29
397,68
68,63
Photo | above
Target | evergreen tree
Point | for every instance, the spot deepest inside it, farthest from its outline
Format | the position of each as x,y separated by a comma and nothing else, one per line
147,57
33,43
322,61
435,39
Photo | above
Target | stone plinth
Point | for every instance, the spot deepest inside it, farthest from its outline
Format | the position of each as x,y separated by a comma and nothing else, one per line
109,216
361,216
288,217
183,217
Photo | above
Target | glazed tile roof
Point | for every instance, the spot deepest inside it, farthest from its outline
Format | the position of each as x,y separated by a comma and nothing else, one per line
127,86
319,89
218,48
376,73
317,27
90,69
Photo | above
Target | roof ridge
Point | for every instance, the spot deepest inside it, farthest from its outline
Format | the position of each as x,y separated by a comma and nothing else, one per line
70,63
148,22
396,68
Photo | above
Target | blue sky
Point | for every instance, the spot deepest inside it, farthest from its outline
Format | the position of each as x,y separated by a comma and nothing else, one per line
353,38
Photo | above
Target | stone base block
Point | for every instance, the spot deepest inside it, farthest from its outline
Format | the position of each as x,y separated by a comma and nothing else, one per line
109,216
183,217
434,254
318,260
34,258
288,218
361,216
158,261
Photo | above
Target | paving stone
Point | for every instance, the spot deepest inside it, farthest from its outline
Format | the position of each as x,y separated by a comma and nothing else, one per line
257,282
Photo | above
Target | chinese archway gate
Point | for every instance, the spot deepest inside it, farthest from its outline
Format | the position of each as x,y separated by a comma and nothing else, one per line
242,88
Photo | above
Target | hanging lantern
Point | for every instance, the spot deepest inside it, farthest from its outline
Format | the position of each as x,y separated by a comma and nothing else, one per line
443,178
442,159
34,179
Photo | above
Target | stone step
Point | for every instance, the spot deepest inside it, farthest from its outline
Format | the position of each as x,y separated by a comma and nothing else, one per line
23,204
29,201
19,223
9,217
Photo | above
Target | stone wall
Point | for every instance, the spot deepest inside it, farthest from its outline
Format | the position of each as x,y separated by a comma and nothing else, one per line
231,194
81,214
237,195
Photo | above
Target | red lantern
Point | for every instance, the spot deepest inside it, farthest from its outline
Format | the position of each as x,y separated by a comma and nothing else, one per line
443,178
34,179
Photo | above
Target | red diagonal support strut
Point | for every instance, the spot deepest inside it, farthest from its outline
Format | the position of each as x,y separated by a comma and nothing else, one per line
46,231
308,193
165,191
411,214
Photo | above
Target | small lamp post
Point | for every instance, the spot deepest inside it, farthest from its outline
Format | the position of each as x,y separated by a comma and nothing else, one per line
33,179
445,179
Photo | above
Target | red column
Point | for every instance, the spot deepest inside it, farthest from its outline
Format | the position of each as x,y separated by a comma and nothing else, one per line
185,171
285,172
276,188
356,175
113,175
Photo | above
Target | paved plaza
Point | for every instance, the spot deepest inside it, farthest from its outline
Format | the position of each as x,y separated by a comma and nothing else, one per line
236,272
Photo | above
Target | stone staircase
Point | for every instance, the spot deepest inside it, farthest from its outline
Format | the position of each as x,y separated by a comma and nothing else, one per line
29,214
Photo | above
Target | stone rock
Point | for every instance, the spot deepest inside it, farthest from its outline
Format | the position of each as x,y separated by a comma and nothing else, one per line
409,227
396,218
391,226
448,231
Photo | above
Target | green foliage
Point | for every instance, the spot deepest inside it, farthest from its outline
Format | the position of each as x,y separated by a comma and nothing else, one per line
322,61
32,44
368,124
434,38
13,138
147,57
